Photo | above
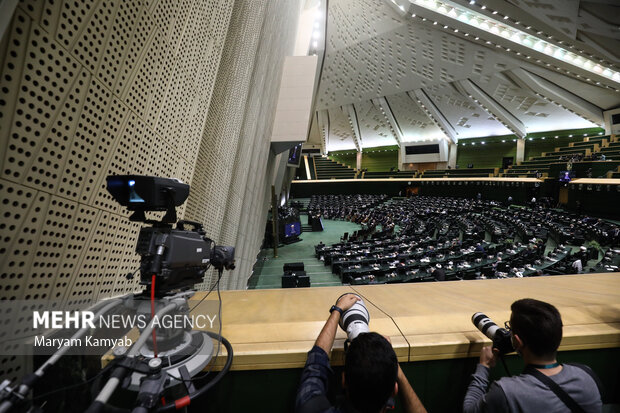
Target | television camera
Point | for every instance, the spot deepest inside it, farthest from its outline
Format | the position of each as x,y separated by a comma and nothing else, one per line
173,258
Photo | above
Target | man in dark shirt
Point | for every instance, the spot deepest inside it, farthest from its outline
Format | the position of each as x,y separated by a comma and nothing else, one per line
439,273
536,332
371,377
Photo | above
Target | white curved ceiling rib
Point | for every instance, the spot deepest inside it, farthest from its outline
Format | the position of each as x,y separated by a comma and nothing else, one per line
376,52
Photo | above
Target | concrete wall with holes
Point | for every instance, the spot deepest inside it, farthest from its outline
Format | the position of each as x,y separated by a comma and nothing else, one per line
180,89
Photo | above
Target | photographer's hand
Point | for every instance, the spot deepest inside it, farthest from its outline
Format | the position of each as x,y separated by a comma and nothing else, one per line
325,340
411,402
488,356
346,301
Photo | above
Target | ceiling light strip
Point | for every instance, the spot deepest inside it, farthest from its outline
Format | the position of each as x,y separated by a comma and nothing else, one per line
497,28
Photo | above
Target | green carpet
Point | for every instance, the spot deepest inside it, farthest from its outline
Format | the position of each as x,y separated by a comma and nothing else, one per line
268,270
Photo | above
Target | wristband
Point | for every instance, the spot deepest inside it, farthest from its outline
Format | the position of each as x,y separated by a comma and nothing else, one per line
336,308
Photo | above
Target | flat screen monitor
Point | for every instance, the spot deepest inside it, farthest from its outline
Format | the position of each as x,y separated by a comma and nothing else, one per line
292,229
421,149
567,176
294,156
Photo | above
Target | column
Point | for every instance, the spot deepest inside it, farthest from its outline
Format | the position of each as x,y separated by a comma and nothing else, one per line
358,165
452,155
520,151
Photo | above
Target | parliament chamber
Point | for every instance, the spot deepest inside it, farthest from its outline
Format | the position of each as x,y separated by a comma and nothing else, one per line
239,165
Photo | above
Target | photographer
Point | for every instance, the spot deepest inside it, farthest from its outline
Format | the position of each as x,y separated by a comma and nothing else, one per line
535,331
371,374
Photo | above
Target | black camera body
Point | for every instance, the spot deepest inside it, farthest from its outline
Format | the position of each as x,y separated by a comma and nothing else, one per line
186,256
177,257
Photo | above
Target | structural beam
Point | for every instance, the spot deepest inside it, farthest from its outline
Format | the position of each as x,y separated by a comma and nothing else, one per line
323,119
491,106
355,127
555,94
383,105
433,112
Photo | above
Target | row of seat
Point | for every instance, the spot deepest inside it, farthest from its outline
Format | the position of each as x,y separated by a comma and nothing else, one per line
446,236
591,148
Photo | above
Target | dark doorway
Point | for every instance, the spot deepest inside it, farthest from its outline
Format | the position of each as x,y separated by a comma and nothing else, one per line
507,161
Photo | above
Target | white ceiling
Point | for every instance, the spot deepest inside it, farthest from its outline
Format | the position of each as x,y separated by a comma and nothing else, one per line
378,58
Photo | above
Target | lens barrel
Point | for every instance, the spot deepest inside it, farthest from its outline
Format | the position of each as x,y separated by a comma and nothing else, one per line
355,320
499,336
485,325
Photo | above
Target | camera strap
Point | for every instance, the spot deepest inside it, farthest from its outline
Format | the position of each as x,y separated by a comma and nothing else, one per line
555,388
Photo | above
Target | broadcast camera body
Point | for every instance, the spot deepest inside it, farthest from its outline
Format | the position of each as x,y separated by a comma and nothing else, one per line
172,260
178,257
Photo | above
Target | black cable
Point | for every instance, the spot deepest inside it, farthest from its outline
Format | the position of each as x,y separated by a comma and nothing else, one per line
171,406
219,342
71,386
206,295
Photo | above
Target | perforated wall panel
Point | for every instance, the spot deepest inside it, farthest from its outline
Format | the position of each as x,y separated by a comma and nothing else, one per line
238,130
92,88
245,203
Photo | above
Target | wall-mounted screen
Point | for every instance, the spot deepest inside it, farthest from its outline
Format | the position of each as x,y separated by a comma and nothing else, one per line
421,149
294,156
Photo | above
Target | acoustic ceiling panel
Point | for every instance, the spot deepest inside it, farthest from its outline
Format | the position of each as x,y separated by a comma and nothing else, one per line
413,121
405,57
533,111
560,14
340,131
467,118
354,21
374,128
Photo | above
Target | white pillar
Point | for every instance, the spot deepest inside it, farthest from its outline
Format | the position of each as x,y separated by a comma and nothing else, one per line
520,151
359,161
452,155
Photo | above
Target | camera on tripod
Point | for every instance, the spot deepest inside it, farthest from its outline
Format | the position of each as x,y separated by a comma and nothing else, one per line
178,257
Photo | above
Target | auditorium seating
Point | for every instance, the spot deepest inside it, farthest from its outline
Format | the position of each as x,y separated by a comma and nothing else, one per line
468,238
342,206
583,156
389,174
461,173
